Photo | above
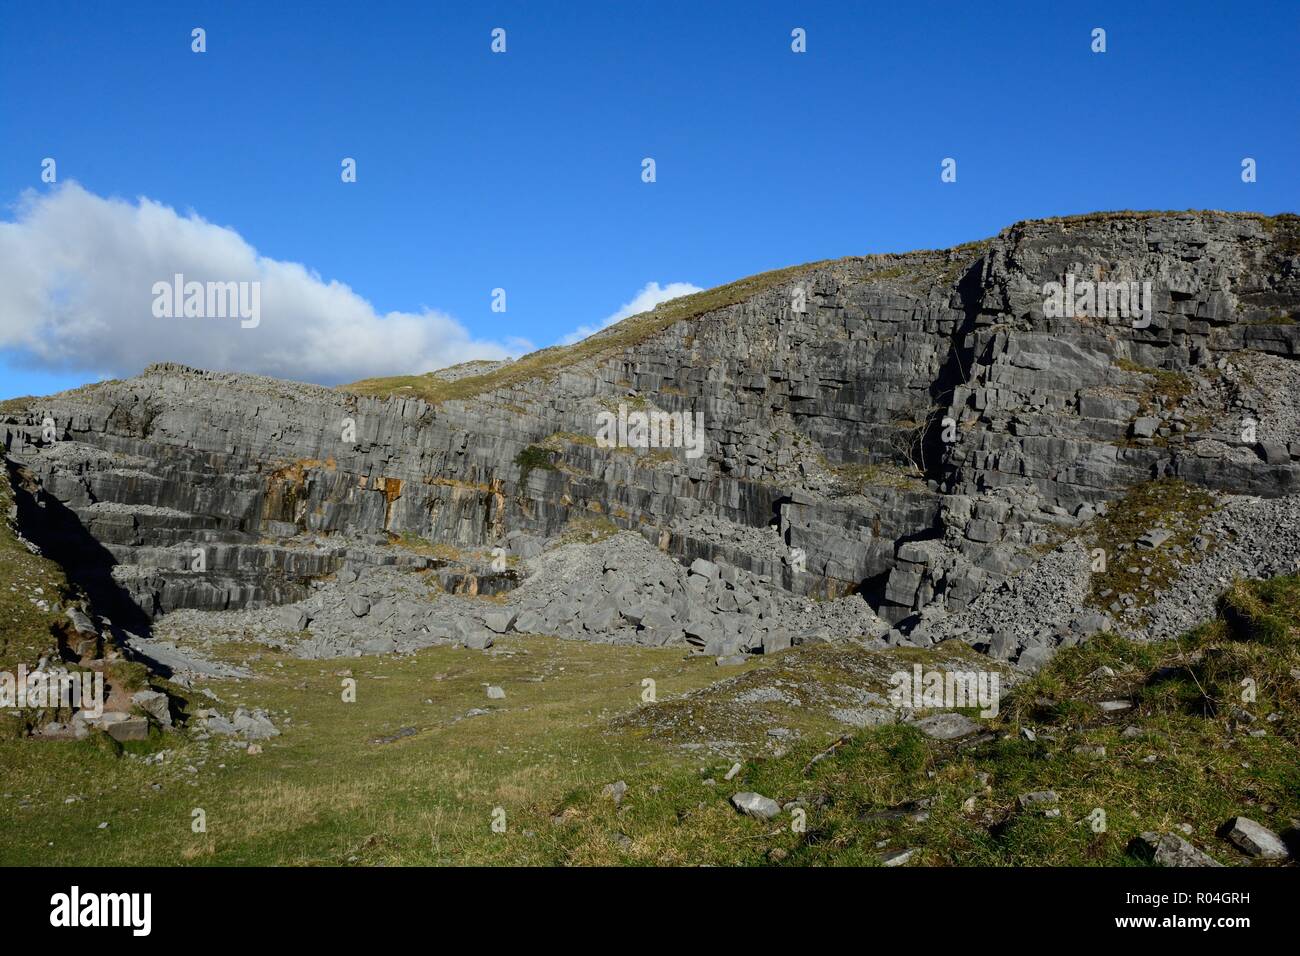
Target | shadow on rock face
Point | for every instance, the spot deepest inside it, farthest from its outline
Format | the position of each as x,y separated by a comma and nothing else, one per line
59,533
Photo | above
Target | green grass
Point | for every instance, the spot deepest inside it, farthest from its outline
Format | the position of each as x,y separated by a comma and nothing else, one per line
325,792
1168,503
1189,761
1166,388
532,458
859,479
441,551
14,405
25,628
1090,217
546,363
587,529
29,632
331,791
557,440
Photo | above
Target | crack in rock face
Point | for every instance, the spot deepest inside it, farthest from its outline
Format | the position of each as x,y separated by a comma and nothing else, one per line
896,450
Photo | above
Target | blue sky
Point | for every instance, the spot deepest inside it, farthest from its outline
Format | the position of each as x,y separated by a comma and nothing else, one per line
523,170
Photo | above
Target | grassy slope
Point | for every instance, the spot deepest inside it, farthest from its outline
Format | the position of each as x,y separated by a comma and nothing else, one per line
325,793
636,329
24,578
1190,761
1168,503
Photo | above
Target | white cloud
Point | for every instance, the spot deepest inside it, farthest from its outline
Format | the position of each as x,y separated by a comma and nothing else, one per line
643,301
76,279
77,273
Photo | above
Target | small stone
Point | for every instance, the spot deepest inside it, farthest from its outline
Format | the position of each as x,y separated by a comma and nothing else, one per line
1145,427
496,693
1037,799
946,726
1169,849
154,704
1255,840
479,641
756,805
1154,538
615,791
132,728
705,569
898,859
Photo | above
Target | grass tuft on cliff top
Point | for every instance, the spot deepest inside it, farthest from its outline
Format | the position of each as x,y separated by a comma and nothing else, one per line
632,331
12,406
546,362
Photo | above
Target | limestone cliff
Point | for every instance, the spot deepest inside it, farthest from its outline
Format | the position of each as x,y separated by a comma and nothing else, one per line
915,428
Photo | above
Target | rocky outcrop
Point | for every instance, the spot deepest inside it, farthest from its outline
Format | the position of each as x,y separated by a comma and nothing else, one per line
912,428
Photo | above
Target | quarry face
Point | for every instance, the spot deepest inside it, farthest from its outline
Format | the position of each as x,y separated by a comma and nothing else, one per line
889,449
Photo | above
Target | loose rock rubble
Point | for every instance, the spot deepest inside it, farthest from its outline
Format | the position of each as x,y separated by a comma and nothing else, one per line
1253,538
624,591
249,725
619,590
1028,616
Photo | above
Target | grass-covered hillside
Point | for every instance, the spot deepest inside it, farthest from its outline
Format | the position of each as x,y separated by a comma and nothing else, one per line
32,592
1191,751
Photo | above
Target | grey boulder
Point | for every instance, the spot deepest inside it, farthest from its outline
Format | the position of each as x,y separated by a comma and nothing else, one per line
1255,840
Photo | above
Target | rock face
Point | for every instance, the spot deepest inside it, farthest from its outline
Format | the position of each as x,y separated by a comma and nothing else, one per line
911,428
